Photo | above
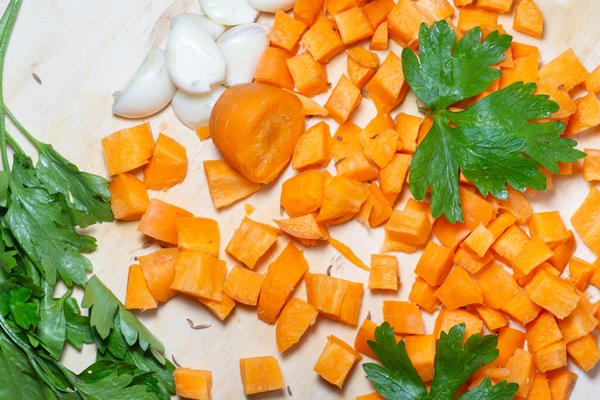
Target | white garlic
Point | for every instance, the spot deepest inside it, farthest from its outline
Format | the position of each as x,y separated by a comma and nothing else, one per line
194,60
272,5
243,46
194,110
229,12
149,90
212,28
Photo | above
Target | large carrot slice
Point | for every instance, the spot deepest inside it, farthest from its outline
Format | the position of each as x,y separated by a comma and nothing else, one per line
296,317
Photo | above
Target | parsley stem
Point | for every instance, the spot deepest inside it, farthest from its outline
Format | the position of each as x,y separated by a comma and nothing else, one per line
3,139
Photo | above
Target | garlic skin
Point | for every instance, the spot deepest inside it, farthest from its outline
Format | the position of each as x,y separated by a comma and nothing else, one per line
243,46
194,110
229,12
212,28
148,91
272,5
194,61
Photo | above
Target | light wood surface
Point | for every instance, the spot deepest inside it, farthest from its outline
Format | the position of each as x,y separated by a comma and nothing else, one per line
83,51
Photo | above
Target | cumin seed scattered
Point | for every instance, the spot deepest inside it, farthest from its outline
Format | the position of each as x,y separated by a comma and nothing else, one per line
364,93
329,270
374,136
289,390
339,138
339,161
281,210
561,86
37,78
369,315
203,326
175,361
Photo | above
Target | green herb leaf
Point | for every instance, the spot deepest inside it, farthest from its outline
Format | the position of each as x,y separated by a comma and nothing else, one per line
78,326
493,141
52,329
485,391
16,302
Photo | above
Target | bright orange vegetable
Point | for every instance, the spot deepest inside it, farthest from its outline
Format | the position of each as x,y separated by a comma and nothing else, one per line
410,227
421,352
584,351
159,221
358,74
539,388
286,32
404,21
435,9
567,68
592,82
336,360
497,286
168,164
251,241
521,308
458,290
199,275
272,69
343,100
380,37
347,253
479,241
128,149
509,340
353,25
563,253
528,19
446,319
422,294
530,256
193,383
434,264
310,106
586,116
138,294
309,75
203,133
225,184
549,227
376,210
551,357
335,298
243,285
470,261
450,235
581,272
561,383
323,40
493,319
308,11
220,309
405,317
377,11
303,193
408,127
384,272
591,165
295,318
580,321
313,148
509,244
260,374
337,6
552,87
388,86
393,175
129,197
198,234
522,371
542,331
586,220
470,17
159,270
552,293
370,396
346,193
365,332
304,228
497,6
381,147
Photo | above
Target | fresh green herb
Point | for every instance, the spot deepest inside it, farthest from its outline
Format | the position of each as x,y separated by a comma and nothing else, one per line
492,141
398,379
42,208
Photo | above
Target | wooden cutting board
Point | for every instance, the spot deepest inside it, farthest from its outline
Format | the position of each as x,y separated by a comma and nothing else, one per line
85,51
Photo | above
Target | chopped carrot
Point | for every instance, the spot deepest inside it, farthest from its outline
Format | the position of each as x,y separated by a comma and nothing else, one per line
384,272
138,295
450,235
561,383
458,290
422,294
521,308
220,309
305,228
129,197
542,331
435,9
528,19
493,319
309,75
592,82
203,133
335,298
243,285
272,69
358,74
370,396
509,244
509,340
335,7
517,205
336,360
249,208
346,193
551,357
347,253
199,275
522,371
353,25
584,351
198,234
545,266
497,286
393,175
377,11
168,164
351,161
225,184
479,241
421,352
303,193
405,317
567,68
434,264
128,149
380,37
586,116
579,322
470,261
260,374
376,210
251,241
552,293
365,332
446,319
343,100
310,106
308,11
313,148
549,227
323,40
404,21
470,17
581,272
380,123
159,219
295,318
158,268
286,32
563,253
586,220
193,383
408,127
552,87
539,388
591,165
532,254
388,86
381,147
410,227
497,6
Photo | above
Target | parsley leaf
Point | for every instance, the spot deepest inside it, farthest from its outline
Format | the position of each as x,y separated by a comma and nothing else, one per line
397,379
16,302
493,142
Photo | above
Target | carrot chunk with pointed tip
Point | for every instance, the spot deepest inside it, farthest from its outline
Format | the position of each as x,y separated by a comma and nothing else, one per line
522,371
586,116
493,319
378,10
168,164
323,40
336,360
159,221
470,17
404,21
309,75
353,25
405,317
446,319
159,270
272,68
521,308
434,264
343,100
358,74
579,322
251,241
531,255
584,351
388,86
138,295
365,332
393,175
528,19
303,193
313,148
243,285
497,286
421,352
295,318
309,106
199,275
380,37
549,227
586,220
260,374
567,68
220,309
225,184
552,293
308,11
193,383
422,294
129,197
286,32
334,7
198,234
509,340
127,149
542,331
458,290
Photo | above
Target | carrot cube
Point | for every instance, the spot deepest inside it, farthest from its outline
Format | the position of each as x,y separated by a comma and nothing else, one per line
528,19
365,332
335,298
581,272
381,210
551,357
522,371
521,308
579,322
199,275
584,351
225,184
377,11
343,100
592,82
381,147
563,253
295,318
380,37
337,6
129,197
479,241
552,293
561,383
159,270
542,331
521,49
282,276
434,264
336,360
243,285
393,175
358,74
422,294
159,219
471,261
127,149
220,309
404,21
517,205
497,6
303,193
286,32
192,383
435,9
251,241
567,68
458,290
591,165
493,319
531,255
586,220
409,227
497,286
323,40
388,86
470,17
450,235
260,374
539,388
313,148
272,68
549,227
384,272
138,295
168,164
310,106
509,340
446,319
408,127
509,244
552,87
309,75
374,395
308,11
353,25
304,228
421,352
351,161
405,317
586,116
198,234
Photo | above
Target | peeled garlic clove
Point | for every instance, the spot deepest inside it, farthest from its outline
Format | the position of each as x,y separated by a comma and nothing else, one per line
212,28
194,110
229,12
194,60
272,5
149,90
243,46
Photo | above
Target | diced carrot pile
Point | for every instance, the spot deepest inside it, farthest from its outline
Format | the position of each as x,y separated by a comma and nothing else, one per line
506,267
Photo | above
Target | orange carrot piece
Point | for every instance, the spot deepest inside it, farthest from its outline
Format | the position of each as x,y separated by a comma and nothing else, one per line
384,272
521,308
286,32
435,9
421,352
470,17
479,241
260,374
404,21
313,148
192,383
567,68
225,184
128,149
282,277
584,351
405,317
422,294
522,371
509,340
370,396
377,11
337,6
323,40
551,357
309,75
470,261
522,49
434,264
542,331
552,87
198,234
517,205
531,255
310,106
346,193
308,11
446,319
524,69
579,322
549,227
388,86
251,241
203,133
586,116
528,19
539,388
497,6
592,82
304,228
336,360
353,25
563,253
450,235
493,319
552,293
129,197
365,332
272,69
343,100
497,286
476,209
408,127
159,219
138,295
243,285
393,175
410,227
581,272
595,279
390,244
168,164
358,74
509,244
351,161
381,210
199,275
159,270
458,290
591,165
379,41
220,309
303,193
381,147
561,383
295,318
335,298
586,220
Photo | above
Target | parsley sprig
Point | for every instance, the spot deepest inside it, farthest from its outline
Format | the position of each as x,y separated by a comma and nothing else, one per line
398,379
42,207
494,141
